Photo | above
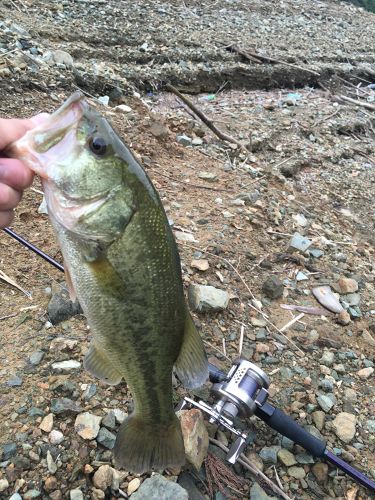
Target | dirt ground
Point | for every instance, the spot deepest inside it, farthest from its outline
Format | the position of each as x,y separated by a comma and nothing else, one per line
308,168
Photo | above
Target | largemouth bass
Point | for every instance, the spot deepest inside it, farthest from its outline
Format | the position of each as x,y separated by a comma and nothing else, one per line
122,263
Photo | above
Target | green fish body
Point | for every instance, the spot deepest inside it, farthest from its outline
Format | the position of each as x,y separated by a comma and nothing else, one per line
122,263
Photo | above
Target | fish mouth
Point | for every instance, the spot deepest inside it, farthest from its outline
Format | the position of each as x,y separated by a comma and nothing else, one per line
53,132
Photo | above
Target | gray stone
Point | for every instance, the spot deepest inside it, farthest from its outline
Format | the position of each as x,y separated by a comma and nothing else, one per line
273,288
15,381
76,494
183,139
370,425
8,451
305,458
257,493
197,141
15,496
297,472
207,176
62,406
36,357
120,415
328,358
63,57
87,425
158,488
30,494
286,457
106,438
67,365
60,307
187,482
89,392
352,299
326,385
109,420
344,426
326,402
316,253
287,443
299,242
51,465
319,419
4,484
269,454
204,298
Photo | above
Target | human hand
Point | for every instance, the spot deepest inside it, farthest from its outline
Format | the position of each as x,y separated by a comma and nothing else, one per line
14,175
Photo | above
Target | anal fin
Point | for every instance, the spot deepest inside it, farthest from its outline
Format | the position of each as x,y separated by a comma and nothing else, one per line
191,366
98,364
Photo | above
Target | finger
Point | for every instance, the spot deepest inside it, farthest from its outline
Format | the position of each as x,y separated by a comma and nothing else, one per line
13,128
15,173
6,218
9,197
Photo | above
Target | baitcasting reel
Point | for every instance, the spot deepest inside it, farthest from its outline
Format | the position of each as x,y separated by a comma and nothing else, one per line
243,393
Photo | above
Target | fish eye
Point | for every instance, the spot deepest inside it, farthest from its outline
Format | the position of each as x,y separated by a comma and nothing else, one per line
98,146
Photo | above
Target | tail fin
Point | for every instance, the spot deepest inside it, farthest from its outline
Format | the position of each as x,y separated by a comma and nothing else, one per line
141,446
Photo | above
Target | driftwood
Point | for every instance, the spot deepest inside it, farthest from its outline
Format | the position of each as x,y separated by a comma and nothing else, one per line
358,103
204,118
258,58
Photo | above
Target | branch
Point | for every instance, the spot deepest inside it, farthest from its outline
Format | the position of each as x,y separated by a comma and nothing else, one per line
358,103
254,56
245,462
204,118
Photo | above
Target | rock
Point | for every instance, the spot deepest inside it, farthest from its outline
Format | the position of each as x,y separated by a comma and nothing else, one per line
343,318
328,358
195,436
50,483
67,365
102,478
318,419
320,471
62,406
106,438
350,395
159,130
56,495
56,437
181,236
52,467
200,264
297,472
286,457
15,381
120,415
60,307
186,480
207,176
197,141
352,299
87,425
62,344
365,372
326,385
76,494
367,337
46,424
8,451
203,298
62,57
97,494
257,493
109,420
183,139
31,494
158,488
273,288
36,357
133,485
325,402
89,392
269,454
43,208
123,108
299,242
344,426
4,484
345,285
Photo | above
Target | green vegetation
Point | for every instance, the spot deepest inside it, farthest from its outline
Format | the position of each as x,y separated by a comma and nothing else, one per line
366,4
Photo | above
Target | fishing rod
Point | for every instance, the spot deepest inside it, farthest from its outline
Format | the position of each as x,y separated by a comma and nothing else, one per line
243,392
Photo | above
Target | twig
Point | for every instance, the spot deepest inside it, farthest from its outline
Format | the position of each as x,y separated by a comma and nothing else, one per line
204,118
216,349
241,340
15,5
326,118
245,462
9,52
291,322
199,186
8,316
277,478
254,56
9,280
358,103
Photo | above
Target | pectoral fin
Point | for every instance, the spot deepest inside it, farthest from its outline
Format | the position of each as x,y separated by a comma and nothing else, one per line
69,284
98,364
191,366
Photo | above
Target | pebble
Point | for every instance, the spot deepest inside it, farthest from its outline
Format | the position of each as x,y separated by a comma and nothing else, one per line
50,483
133,485
318,419
299,242
15,381
67,365
345,285
103,477
257,493
297,472
195,436
197,141
36,357
123,108
15,496
325,402
46,424
106,438
207,176
63,57
183,139
181,236
273,288
109,420
157,487
30,494
367,337
52,467
200,264
159,130
56,437
328,358
76,494
62,406
87,425
8,451
365,372
350,395
60,307
120,415
344,426
203,298
343,318
269,454
286,457
320,471
4,484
